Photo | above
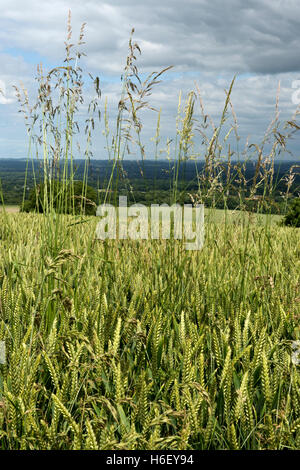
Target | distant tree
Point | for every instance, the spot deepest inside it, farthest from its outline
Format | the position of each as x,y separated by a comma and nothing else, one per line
65,199
292,218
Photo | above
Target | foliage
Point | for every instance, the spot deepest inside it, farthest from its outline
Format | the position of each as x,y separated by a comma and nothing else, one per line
292,218
76,199
143,345
125,344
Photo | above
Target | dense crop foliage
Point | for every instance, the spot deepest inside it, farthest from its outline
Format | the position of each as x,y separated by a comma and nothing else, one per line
143,345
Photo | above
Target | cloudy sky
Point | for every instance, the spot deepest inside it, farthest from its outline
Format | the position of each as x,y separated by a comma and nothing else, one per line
207,42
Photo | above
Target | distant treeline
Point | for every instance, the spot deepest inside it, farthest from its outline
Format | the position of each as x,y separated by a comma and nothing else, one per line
151,181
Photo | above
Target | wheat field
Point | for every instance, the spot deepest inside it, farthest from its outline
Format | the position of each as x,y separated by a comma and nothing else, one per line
141,344
144,345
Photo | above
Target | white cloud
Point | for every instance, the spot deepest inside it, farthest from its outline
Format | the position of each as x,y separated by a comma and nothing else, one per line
206,41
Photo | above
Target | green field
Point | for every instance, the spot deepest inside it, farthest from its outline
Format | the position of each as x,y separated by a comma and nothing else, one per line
217,215
144,345
10,209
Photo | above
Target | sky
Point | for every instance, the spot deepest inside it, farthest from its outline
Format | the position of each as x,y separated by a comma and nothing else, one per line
207,42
